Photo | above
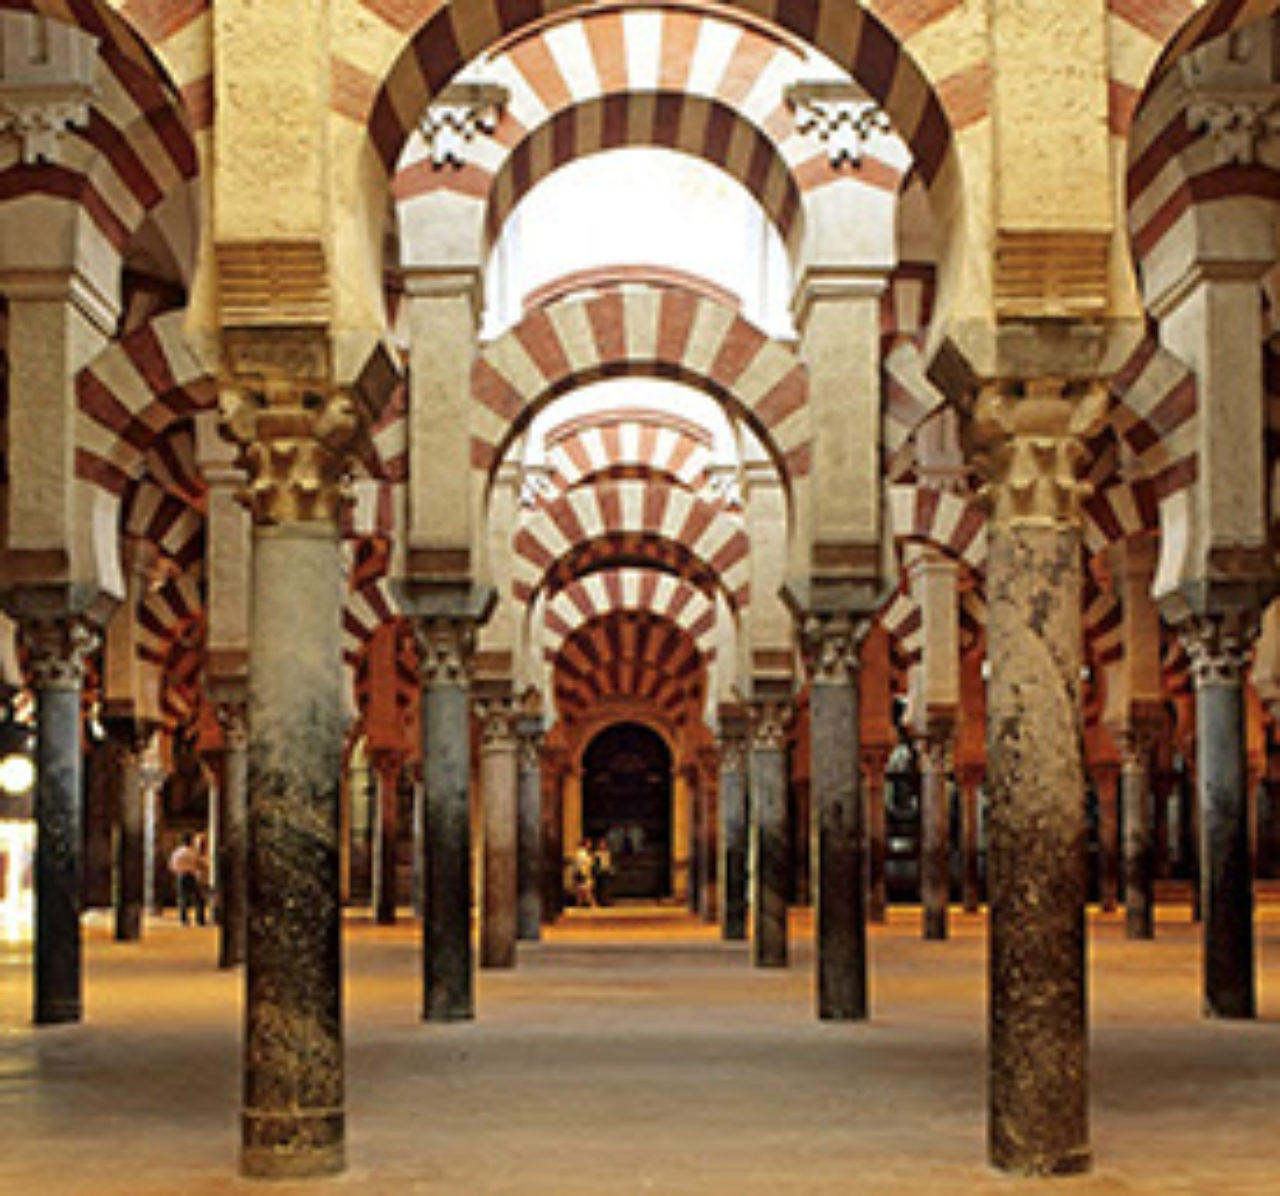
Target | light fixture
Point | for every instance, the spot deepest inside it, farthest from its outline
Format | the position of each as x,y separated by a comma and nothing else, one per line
17,774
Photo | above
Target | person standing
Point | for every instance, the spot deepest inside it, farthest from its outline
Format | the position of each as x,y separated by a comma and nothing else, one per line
602,871
185,866
583,876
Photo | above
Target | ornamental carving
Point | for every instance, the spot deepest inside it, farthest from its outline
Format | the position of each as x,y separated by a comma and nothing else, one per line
46,82
233,719
769,721
1237,126
1028,444
497,718
839,117
58,649
831,644
1231,93
463,111
1218,644
447,650
733,750
296,431
934,750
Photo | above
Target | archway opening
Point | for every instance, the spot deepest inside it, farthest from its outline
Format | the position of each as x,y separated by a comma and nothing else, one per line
627,801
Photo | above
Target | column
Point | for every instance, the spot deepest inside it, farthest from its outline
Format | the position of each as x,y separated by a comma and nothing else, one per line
128,738
233,815
529,847
447,648
1028,440
841,929
934,751
387,768
970,784
553,765
874,762
295,429
770,857
498,783
58,650
1106,782
734,833
708,854
153,816
1218,644
1139,830
693,788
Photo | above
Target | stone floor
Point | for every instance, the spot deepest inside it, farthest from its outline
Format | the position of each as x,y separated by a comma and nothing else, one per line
632,1052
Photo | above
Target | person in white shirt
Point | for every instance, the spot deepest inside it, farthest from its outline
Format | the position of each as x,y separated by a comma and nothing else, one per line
186,866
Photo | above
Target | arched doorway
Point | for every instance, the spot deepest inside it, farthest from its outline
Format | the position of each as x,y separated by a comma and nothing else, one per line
626,799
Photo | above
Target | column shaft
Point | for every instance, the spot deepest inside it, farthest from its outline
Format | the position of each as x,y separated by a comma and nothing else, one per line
935,846
498,783
1105,782
530,849
971,833
1038,1038
1139,845
130,843
734,838
387,769
877,897
770,865
293,1120
233,813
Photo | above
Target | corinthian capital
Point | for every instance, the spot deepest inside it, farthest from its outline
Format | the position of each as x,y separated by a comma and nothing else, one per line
1029,446
497,717
447,648
58,649
1218,644
831,643
768,723
297,431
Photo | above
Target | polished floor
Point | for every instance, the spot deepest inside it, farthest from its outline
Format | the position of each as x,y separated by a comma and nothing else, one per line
632,1052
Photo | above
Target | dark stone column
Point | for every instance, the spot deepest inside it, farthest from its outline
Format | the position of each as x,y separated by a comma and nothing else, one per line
553,765
58,648
874,761
498,782
734,834
447,647
1106,778
233,799
1218,644
694,789
771,857
935,841
1139,832
128,738
841,930
1028,445
970,782
529,848
387,767
709,898
419,846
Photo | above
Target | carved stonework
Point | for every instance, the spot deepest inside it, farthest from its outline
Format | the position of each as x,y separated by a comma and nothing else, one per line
831,644
839,117
1231,92
47,86
447,648
233,718
297,432
58,650
497,718
1218,644
1029,447
1238,127
769,721
463,110
935,750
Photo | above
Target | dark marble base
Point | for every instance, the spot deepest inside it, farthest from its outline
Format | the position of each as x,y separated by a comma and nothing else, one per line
276,1146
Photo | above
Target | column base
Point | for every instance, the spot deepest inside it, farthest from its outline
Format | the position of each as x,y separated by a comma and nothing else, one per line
1230,1009
1138,928
935,924
442,1012
128,928
1011,1161
58,1013
292,1146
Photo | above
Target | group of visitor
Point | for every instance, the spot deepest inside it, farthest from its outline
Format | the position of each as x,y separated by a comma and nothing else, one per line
592,871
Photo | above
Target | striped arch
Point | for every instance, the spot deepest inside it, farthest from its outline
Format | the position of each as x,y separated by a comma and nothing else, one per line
626,515
630,657
625,441
953,523
642,329
599,594
908,395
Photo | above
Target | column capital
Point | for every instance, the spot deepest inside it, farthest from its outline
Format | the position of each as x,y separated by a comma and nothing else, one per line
1218,644
296,429
447,647
497,716
831,644
233,719
58,648
768,721
1137,736
874,758
934,747
1027,441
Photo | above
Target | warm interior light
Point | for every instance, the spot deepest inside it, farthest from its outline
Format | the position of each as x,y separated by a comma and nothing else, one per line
17,774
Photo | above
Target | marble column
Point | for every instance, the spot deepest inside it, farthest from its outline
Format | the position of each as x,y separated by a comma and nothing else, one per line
419,839
128,739
693,788
296,430
58,648
734,831
1106,781
970,784
233,813
552,763
1139,832
874,762
1218,644
934,751
708,853
529,846
841,916
1028,439
498,784
770,856
447,647
387,768
153,817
